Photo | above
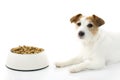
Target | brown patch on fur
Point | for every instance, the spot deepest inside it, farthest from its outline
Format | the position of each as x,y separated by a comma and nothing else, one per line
94,30
75,18
97,22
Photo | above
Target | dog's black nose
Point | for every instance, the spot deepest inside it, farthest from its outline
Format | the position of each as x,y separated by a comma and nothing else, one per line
81,33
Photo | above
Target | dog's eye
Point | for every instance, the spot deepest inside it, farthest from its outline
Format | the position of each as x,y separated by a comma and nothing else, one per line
90,25
79,24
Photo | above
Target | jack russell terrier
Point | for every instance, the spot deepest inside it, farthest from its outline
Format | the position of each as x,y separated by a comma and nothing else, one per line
98,47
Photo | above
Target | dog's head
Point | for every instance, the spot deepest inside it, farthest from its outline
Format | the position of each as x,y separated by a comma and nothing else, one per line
87,27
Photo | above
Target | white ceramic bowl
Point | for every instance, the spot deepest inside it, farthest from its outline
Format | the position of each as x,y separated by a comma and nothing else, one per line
27,62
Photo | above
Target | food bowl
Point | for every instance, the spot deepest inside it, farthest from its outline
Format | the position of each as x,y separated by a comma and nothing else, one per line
27,62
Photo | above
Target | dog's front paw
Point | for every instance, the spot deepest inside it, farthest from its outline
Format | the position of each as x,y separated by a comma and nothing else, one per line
75,69
59,64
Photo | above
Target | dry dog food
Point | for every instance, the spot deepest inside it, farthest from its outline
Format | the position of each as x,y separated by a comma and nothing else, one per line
26,50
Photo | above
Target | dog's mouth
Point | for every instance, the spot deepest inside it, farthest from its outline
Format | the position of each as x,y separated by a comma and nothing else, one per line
81,37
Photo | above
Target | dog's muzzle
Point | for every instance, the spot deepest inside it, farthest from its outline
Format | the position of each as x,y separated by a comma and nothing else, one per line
81,34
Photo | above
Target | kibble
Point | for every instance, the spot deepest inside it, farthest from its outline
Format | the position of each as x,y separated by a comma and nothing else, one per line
26,50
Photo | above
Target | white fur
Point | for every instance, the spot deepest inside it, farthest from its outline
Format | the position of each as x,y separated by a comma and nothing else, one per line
98,50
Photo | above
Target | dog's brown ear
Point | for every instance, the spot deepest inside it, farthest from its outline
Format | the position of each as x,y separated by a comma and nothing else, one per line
75,18
98,21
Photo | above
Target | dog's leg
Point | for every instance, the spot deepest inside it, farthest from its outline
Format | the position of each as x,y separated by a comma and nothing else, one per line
75,60
88,64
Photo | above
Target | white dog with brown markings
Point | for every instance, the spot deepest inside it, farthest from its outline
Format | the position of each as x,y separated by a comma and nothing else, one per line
99,47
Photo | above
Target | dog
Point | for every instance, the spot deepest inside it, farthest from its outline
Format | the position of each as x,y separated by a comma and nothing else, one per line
99,47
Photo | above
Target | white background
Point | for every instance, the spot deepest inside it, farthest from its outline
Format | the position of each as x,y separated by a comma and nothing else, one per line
45,23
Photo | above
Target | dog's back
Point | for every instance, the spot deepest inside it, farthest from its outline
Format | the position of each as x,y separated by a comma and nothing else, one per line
109,46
